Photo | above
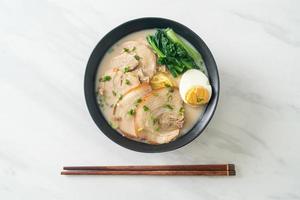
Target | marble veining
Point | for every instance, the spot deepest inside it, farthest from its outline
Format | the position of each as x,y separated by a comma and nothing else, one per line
275,30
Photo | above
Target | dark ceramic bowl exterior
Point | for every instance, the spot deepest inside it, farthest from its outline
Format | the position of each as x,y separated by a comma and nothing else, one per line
111,38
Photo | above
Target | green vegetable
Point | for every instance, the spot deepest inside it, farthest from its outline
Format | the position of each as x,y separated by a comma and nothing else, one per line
167,85
137,57
113,125
199,99
136,103
171,89
154,121
127,82
181,111
173,52
169,97
131,112
126,69
128,50
190,50
120,97
146,108
106,78
169,106
139,100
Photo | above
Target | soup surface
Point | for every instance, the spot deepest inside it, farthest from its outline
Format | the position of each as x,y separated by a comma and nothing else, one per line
130,99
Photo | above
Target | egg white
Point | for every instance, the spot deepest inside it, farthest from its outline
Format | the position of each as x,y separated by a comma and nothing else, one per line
193,78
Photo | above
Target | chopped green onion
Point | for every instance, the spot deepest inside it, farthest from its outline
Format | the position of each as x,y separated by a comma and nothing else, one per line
169,106
154,120
106,78
137,57
146,108
113,125
127,82
131,112
139,100
126,69
181,111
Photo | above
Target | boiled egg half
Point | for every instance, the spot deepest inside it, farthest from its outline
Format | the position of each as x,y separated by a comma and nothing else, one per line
194,88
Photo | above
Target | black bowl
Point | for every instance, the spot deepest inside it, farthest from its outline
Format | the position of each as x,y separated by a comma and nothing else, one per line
111,38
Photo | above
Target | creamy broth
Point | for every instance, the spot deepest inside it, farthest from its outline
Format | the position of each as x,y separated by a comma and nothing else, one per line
191,114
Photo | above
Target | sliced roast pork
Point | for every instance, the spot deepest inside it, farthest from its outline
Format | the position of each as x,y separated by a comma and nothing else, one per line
126,108
113,85
125,62
159,116
145,56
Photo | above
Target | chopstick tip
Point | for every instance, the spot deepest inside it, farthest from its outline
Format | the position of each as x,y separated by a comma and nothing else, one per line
231,173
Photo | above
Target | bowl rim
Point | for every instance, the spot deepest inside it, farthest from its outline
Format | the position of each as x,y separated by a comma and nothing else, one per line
114,36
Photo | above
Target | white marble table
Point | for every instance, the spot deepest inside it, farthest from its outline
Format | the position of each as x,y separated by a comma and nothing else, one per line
44,48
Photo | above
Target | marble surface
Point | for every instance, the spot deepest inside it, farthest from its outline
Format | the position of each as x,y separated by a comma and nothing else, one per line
44,48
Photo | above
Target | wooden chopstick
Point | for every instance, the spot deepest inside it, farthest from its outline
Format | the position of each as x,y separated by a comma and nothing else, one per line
218,167
199,170
160,173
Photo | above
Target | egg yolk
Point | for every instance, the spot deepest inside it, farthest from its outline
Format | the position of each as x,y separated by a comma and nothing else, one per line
197,95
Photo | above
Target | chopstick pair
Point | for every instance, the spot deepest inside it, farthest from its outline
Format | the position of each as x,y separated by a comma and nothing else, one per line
167,170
